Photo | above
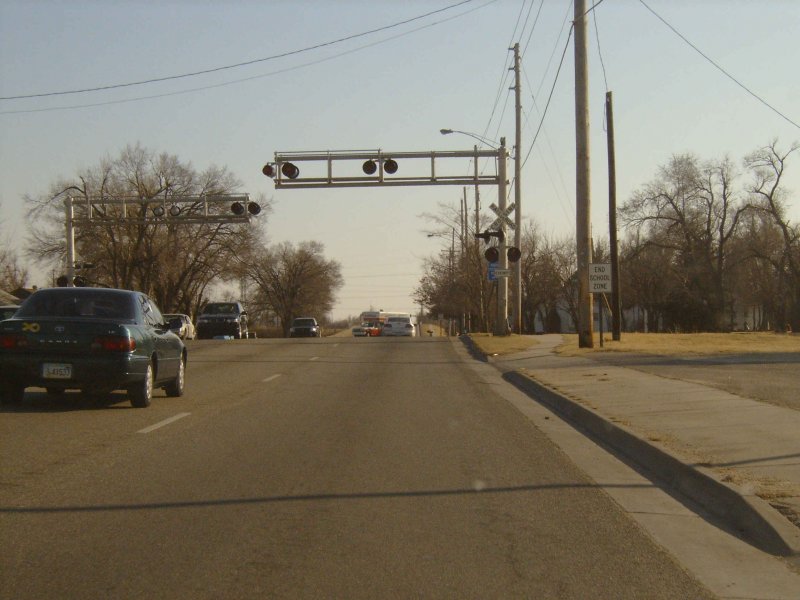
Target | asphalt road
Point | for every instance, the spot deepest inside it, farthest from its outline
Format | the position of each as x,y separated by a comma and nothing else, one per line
332,468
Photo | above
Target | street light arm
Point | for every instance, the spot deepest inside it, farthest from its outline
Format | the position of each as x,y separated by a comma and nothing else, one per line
490,143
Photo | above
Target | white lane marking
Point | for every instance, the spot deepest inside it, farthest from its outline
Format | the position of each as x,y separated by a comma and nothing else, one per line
164,422
270,378
314,358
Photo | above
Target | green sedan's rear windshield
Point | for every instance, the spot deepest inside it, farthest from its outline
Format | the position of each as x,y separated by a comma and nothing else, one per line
64,303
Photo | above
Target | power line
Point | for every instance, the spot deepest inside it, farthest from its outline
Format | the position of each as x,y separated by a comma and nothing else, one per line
237,65
723,71
245,79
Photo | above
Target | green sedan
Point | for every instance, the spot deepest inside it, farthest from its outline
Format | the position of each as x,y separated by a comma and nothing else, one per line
91,339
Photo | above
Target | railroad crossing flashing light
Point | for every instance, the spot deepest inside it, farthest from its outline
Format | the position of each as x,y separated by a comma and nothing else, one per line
174,210
238,208
492,254
269,170
389,166
158,211
290,170
514,254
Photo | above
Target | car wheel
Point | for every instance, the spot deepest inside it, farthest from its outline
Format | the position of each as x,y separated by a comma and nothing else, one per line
12,394
175,388
142,393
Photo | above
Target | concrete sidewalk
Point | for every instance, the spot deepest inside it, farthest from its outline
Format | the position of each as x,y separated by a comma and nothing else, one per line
736,457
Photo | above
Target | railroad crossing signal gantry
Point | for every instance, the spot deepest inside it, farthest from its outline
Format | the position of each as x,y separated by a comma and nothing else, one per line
385,169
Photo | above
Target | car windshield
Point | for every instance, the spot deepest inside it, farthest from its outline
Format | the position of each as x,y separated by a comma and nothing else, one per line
227,308
304,322
78,302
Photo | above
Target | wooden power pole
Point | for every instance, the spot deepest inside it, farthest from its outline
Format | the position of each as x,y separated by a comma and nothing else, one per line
583,203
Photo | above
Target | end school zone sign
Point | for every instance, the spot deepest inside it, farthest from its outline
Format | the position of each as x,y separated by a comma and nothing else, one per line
600,278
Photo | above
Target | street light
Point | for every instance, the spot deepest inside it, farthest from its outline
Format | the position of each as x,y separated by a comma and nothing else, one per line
483,140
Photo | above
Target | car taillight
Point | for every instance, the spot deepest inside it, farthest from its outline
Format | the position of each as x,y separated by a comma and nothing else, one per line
114,343
9,341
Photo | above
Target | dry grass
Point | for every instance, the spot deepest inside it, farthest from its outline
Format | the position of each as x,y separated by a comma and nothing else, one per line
651,343
490,344
687,343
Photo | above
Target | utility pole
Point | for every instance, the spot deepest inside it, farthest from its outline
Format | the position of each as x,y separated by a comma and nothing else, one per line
582,180
517,308
616,299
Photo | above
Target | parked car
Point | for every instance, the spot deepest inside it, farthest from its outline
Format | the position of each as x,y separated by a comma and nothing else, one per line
222,318
399,326
7,311
305,327
96,340
186,329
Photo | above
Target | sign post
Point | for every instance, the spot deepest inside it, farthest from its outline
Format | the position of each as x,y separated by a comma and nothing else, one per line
600,283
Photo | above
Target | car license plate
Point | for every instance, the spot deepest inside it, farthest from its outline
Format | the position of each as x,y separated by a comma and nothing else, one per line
56,371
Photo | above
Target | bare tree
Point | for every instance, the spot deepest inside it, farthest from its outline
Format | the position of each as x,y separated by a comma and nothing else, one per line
12,274
174,263
295,281
694,211
768,165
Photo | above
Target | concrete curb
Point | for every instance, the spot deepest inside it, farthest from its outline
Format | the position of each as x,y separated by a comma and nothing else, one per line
747,515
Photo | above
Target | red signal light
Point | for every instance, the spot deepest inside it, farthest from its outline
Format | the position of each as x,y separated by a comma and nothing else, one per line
514,254
290,170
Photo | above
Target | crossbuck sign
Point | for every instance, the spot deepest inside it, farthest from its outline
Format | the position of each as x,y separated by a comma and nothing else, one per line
502,217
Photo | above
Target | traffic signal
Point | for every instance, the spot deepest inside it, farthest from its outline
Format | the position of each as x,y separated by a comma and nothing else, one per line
492,254
269,170
389,166
514,254
290,170
77,281
238,208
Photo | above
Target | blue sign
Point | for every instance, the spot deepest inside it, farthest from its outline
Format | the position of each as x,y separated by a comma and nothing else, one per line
492,267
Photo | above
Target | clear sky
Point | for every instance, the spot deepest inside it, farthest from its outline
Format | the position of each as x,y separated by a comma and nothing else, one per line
393,89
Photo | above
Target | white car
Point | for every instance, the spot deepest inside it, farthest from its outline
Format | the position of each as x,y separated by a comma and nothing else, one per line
399,326
186,330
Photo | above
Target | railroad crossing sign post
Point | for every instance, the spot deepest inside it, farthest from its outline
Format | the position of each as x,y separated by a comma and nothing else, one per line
380,169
